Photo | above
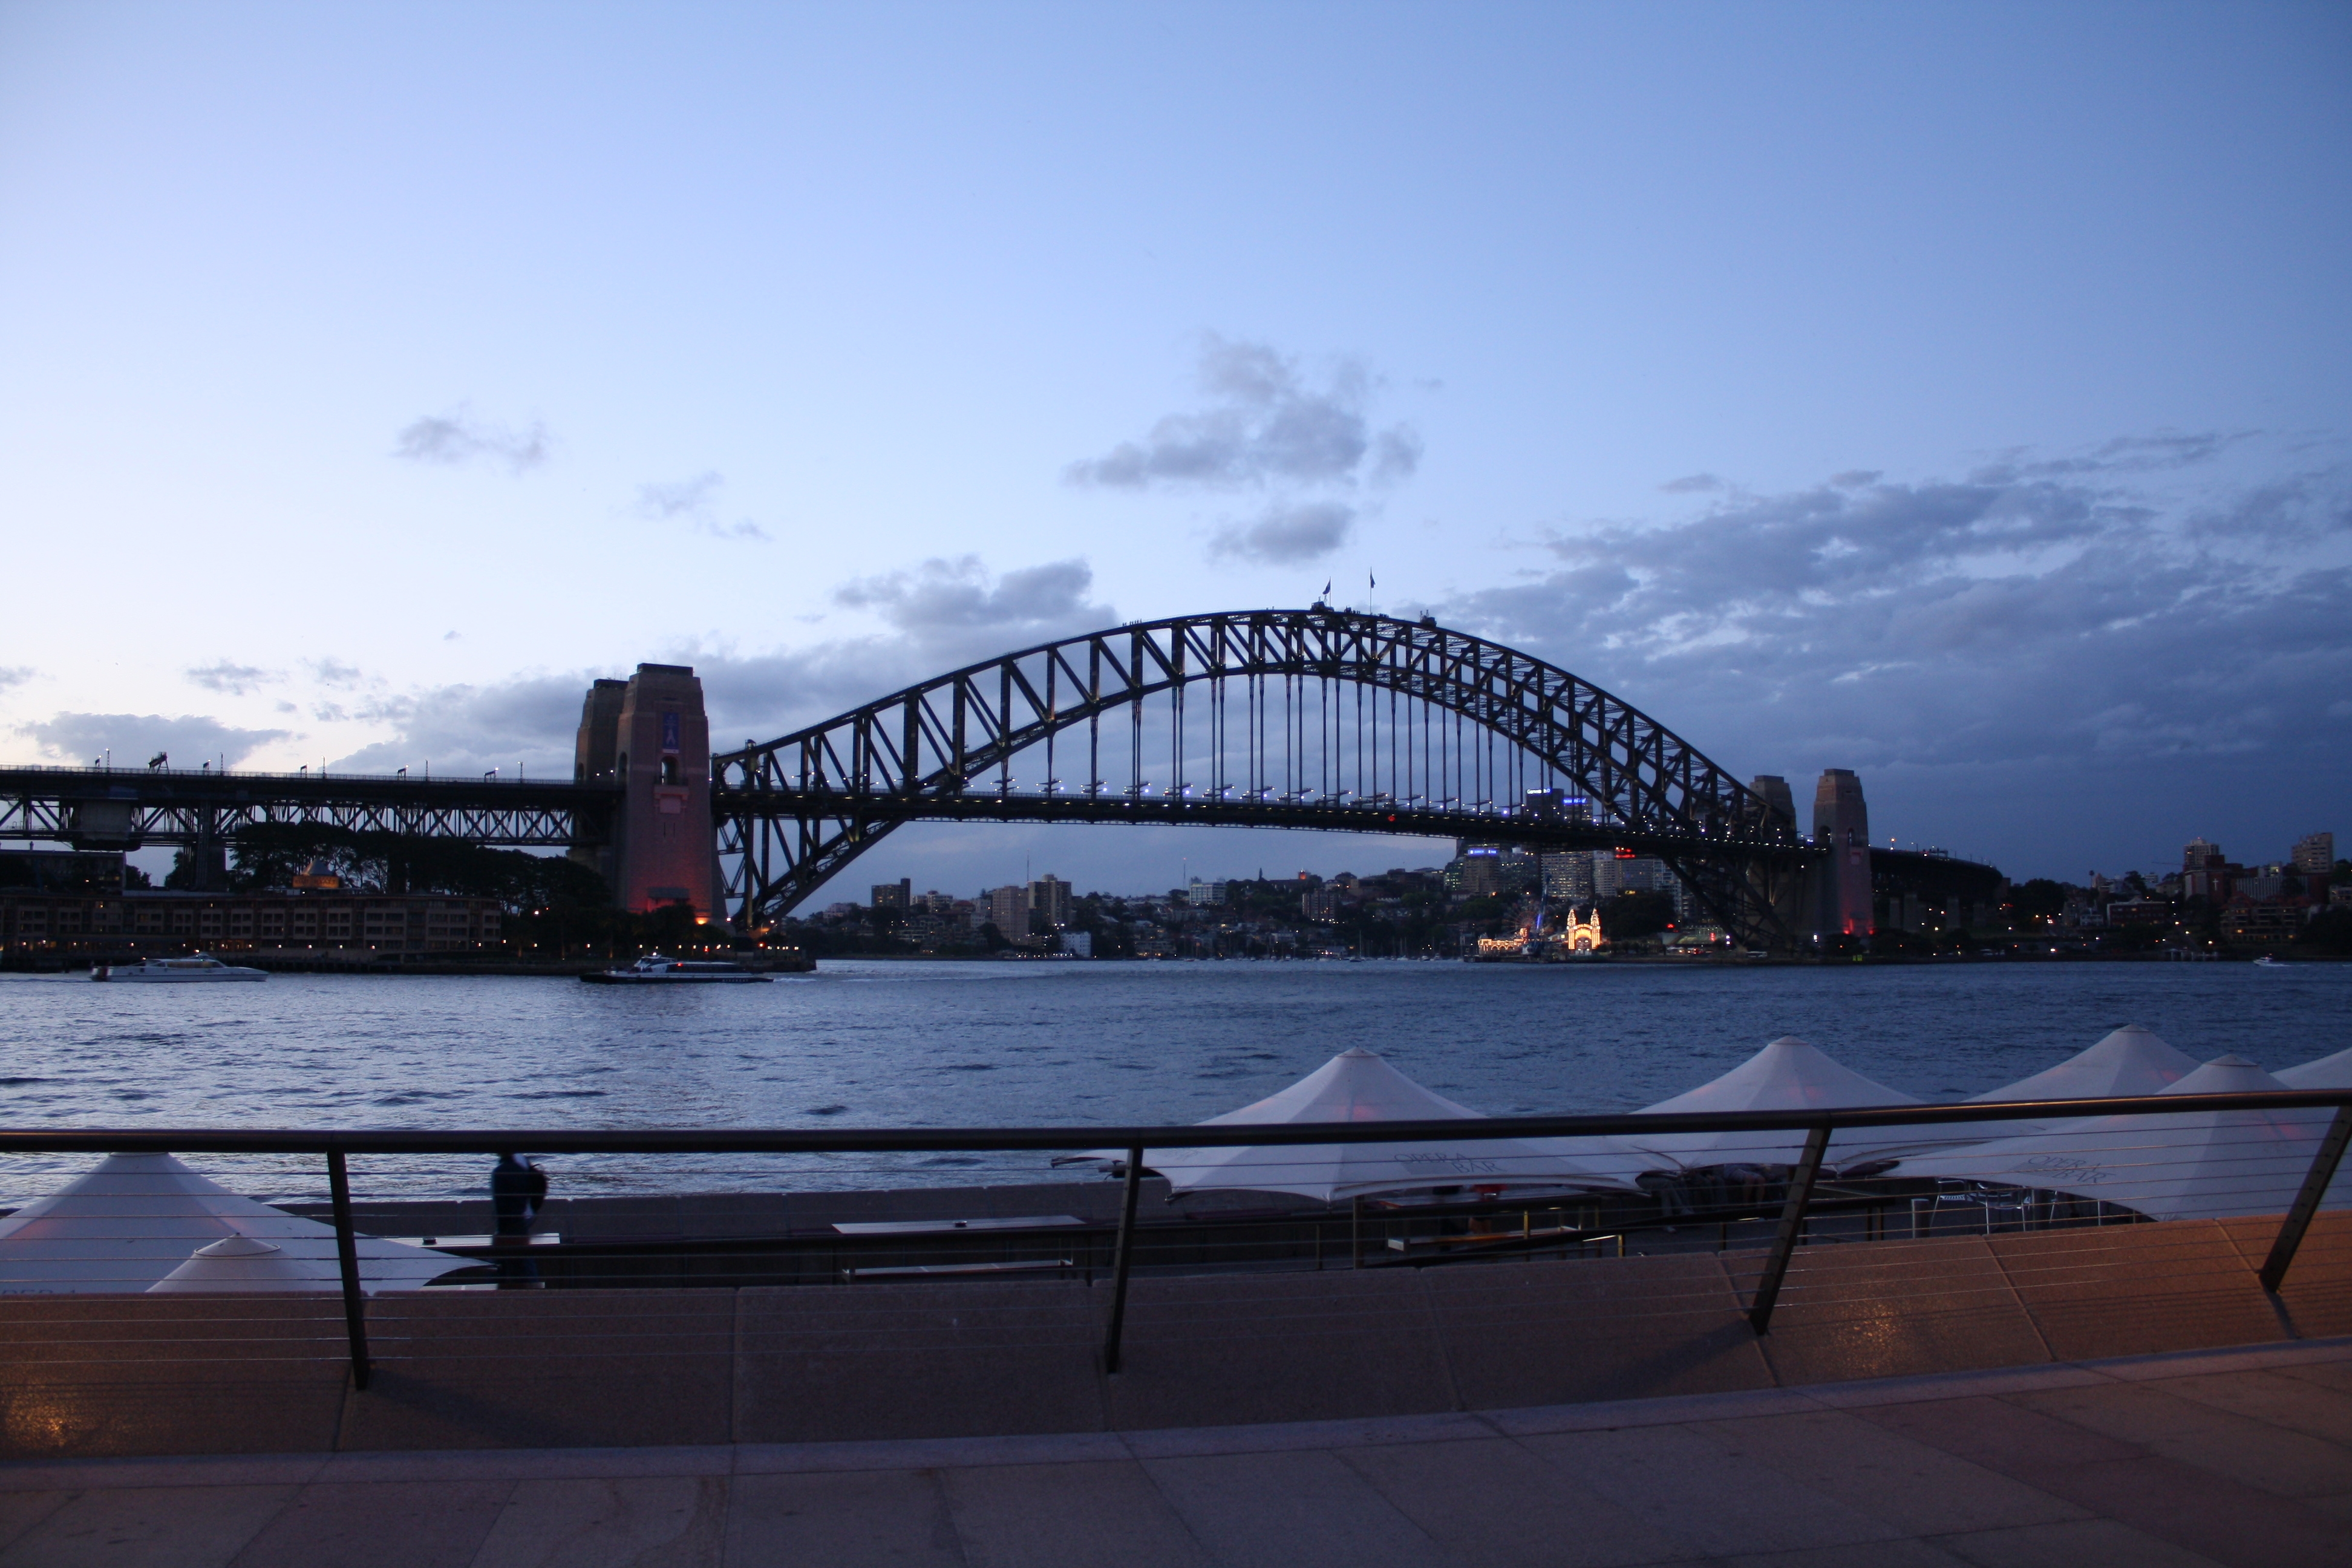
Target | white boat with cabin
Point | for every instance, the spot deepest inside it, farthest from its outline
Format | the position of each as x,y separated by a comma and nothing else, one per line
196,967
655,969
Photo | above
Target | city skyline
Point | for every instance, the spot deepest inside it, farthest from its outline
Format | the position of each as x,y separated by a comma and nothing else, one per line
1951,397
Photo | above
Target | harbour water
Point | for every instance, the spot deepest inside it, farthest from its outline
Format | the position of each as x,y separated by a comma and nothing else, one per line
897,1044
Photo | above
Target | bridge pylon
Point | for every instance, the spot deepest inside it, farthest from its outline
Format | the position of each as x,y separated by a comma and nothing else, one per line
649,735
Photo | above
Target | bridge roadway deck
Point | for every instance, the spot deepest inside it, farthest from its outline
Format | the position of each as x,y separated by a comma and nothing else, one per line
981,803
125,808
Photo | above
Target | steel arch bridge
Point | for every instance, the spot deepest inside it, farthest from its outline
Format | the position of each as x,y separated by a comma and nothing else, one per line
1318,717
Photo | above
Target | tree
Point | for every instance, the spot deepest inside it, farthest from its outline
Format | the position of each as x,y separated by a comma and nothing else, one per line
2328,931
2040,900
1633,915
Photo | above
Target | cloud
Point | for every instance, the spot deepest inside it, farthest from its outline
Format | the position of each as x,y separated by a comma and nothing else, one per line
1396,454
939,616
14,674
234,679
190,738
943,602
694,501
1692,484
1265,423
1287,535
331,671
2038,618
530,721
2136,455
457,438
687,498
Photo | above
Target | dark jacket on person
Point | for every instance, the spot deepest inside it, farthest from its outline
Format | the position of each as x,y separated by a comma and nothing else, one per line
517,1189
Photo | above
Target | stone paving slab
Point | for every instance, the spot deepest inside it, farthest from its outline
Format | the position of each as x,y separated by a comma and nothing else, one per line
944,1359
2235,1455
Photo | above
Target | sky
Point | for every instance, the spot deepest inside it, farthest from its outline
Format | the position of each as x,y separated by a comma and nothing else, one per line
1954,394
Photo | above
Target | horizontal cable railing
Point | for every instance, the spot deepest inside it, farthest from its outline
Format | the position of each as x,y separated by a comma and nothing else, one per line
1741,1192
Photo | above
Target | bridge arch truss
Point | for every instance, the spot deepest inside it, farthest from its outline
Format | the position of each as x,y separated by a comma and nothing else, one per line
1315,718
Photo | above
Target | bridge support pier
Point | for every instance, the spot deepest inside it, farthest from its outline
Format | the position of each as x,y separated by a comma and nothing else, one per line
208,856
650,735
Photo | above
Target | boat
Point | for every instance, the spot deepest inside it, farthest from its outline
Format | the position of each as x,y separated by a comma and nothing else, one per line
654,969
196,966
2267,962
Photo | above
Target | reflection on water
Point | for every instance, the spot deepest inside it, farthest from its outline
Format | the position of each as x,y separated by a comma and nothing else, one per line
880,1044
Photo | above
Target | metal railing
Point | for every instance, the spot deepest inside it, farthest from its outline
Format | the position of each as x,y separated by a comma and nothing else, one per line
1137,1143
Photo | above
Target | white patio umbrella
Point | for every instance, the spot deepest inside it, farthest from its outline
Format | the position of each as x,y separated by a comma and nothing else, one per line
2129,1061
2205,1164
1786,1074
1358,1085
238,1263
137,1218
2328,1072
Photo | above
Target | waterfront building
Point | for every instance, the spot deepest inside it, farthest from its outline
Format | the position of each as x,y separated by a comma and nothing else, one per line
1199,892
1568,875
2270,920
74,873
1049,902
1608,878
1007,909
897,895
1481,874
2315,854
159,920
2207,873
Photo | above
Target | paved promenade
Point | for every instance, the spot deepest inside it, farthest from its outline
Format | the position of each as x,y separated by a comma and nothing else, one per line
2234,1457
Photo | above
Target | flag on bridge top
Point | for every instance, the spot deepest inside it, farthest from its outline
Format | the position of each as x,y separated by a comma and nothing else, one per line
1327,591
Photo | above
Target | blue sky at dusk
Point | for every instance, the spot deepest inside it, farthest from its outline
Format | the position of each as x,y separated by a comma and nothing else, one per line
1955,393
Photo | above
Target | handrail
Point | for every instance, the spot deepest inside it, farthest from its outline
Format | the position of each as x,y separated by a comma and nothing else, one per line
1818,1125
1228,1135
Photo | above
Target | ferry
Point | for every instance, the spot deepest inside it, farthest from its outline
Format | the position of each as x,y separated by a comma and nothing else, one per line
196,966
654,969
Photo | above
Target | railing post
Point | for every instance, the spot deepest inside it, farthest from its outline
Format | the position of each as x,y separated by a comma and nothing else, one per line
2306,1203
339,1189
1792,1220
1122,1257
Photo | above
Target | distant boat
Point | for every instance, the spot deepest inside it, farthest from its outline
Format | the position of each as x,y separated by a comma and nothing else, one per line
654,969
2267,962
196,966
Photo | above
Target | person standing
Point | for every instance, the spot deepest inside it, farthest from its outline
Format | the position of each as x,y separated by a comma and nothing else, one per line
518,1188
